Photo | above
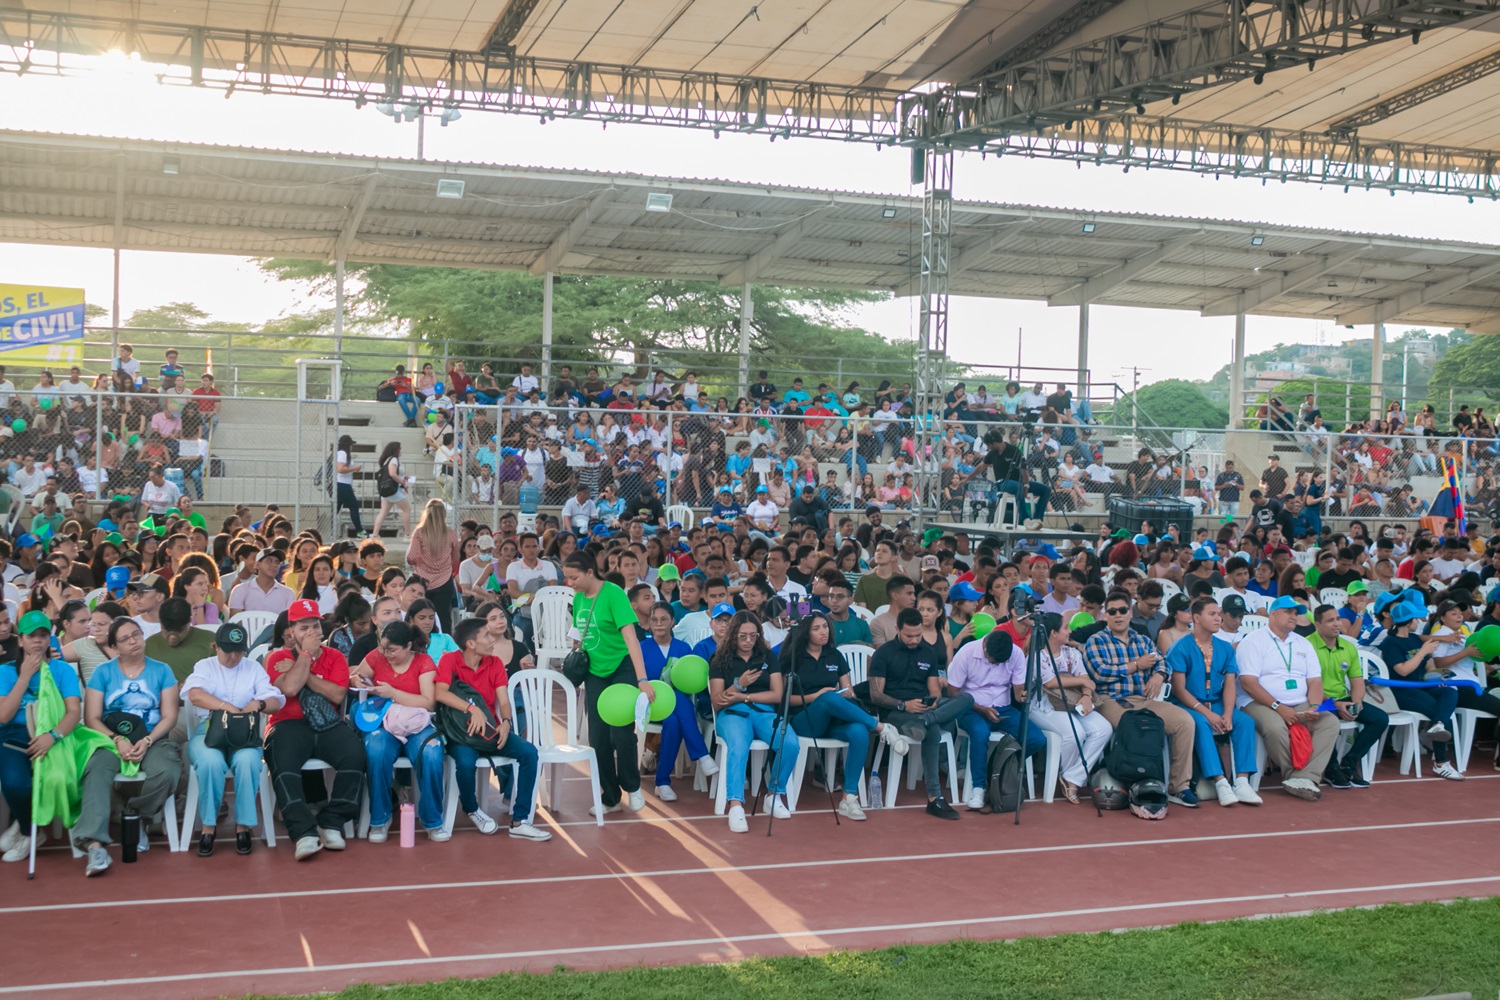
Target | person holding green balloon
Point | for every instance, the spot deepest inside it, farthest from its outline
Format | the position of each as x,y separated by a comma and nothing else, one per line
658,650
605,624
746,688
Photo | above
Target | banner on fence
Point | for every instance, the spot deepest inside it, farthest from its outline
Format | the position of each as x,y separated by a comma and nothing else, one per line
42,324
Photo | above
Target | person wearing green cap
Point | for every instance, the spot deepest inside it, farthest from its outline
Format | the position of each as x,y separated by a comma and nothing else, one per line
21,684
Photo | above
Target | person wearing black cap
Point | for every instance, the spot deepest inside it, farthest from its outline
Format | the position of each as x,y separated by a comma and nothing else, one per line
227,682
144,596
1231,612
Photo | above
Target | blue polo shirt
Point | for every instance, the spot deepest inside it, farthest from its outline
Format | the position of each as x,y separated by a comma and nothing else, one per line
1205,682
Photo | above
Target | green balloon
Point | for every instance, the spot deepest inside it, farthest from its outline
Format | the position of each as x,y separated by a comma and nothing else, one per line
666,701
18,425
689,674
617,704
45,402
133,440
1080,620
983,624
1487,642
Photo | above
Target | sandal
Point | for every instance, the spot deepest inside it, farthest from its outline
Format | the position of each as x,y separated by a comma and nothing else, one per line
1070,791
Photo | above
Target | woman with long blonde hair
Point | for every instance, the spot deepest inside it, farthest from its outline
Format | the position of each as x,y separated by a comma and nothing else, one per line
433,553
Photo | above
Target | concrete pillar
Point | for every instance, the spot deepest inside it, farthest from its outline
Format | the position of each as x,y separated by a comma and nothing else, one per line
547,332
1237,375
1377,373
1083,351
747,316
338,310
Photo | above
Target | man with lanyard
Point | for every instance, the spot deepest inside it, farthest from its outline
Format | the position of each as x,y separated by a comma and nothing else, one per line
1344,685
1008,467
1281,684
1129,673
1204,671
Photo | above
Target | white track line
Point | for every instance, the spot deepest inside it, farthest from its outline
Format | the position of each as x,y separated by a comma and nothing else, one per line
506,956
615,876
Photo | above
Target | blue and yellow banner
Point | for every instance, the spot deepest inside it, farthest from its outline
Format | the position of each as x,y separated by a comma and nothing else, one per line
39,320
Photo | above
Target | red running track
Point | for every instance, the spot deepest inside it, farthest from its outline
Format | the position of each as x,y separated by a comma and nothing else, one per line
674,885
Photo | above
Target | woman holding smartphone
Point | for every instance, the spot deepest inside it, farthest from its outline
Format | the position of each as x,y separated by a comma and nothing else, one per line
746,692
823,706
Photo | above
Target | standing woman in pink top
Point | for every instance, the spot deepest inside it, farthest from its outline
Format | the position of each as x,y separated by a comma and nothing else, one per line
434,554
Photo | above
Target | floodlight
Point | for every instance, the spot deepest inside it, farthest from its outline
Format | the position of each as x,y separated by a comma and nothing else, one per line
887,213
449,115
170,167
1088,227
387,109
1257,240
450,188
657,202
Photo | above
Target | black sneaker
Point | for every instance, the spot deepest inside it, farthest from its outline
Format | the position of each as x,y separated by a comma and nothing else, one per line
1357,779
940,808
1336,776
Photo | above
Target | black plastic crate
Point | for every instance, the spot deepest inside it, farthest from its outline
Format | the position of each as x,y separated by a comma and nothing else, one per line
1127,513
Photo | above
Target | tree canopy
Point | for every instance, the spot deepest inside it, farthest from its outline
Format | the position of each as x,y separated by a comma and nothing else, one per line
1475,364
1170,403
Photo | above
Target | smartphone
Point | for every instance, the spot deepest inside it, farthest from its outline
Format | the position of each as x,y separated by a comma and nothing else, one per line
803,608
19,747
929,702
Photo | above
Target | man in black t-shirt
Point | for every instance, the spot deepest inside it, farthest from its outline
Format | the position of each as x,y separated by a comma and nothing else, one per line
905,682
1007,467
1274,479
1138,473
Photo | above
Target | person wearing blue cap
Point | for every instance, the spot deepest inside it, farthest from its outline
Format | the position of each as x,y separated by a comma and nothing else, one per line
1410,657
1281,685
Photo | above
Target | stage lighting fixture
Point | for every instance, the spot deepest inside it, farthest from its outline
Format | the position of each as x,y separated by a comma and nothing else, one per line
386,108
449,115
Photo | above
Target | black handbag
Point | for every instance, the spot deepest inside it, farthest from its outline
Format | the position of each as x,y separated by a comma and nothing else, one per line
454,724
320,713
229,732
575,666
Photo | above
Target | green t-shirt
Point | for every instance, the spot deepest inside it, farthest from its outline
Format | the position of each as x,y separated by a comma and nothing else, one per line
602,640
1337,665
198,645
870,591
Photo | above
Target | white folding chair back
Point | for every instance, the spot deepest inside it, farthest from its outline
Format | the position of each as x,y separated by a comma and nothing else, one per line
534,691
881,610
1333,595
863,612
450,782
552,617
684,514
267,805
1404,723
1253,623
1169,590
255,622
857,655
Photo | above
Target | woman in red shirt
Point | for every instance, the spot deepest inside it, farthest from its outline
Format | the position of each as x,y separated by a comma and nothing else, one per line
400,671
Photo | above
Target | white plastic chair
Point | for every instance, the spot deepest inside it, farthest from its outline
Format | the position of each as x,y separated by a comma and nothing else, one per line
857,655
534,688
1334,596
210,629
684,514
552,617
1169,590
894,765
863,612
190,805
757,763
1407,722
255,622
1051,764
450,783
1253,623
1465,721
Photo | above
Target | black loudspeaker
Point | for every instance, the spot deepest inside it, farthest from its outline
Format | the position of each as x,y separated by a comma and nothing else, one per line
918,165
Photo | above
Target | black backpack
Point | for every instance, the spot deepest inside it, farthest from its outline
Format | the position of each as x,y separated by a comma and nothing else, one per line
1002,775
1138,749
385,485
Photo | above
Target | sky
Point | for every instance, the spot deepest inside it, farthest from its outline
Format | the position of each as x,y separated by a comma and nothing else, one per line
120,98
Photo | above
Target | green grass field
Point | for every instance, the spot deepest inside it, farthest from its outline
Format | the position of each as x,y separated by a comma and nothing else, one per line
1389,952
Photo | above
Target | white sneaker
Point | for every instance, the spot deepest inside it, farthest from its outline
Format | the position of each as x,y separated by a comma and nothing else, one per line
1244,793
891,737
438,835
636,801
708,766
307,847
143,843
1226,792
379,834
11,836
525,831
332,839
98,862
1032,524
606,810
1302,788
648,761
975,800
1447,770
20,850
1439,732
483,821
665,793
737,822
849,808
777,805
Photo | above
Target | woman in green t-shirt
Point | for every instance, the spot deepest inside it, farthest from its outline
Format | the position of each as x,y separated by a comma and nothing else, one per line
606,623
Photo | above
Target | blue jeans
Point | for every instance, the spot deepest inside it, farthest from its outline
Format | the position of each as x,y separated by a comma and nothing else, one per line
408,404
1372,725
425,751
1041,491
678,728
834,716
979,729
523,753
1437,704
15,773
737,730
348,501
212,770
853,457
1241,740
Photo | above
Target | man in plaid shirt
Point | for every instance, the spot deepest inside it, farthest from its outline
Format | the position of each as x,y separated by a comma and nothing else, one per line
1130,674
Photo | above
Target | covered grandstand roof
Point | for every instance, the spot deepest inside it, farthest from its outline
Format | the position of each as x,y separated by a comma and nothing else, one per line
62,190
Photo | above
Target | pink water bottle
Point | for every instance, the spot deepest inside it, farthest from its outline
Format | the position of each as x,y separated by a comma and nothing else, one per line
408,825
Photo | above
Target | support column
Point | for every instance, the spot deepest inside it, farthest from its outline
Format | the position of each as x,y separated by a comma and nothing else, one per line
1083,351
338,310
546,330
1377,373
937,238
1237,375
119,238
747,316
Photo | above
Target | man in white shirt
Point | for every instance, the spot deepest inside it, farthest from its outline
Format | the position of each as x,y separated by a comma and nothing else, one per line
158,494
1449,562
1281,686
74,385
49,490
527,575
126,363
262,592
579,510
91,478
1101,476
778,561
8,388
762,513
30,477
144,596
525,382
175,396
